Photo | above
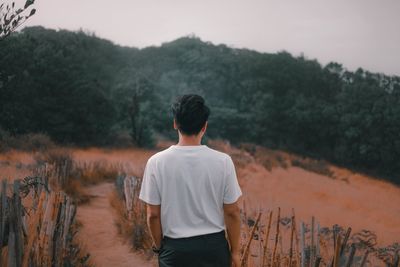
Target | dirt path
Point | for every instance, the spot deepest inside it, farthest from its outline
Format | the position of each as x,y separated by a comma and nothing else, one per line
99,234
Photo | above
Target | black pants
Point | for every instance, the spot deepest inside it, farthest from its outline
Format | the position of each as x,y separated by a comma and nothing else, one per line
211,250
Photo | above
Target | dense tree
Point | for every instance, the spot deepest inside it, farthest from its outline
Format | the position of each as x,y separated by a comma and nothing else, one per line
58,83
80,89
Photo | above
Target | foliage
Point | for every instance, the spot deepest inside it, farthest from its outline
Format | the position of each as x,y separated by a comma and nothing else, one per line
80,89
11,17
317,166
26,142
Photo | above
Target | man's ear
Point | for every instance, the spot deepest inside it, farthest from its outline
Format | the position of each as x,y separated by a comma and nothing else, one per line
175,125
204,127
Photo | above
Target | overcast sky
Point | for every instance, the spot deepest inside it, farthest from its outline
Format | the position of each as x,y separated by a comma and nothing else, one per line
356,33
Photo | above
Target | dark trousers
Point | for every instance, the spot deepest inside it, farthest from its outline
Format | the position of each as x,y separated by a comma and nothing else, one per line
211,250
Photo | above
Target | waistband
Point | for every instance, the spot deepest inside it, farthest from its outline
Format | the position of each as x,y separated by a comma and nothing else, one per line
217,234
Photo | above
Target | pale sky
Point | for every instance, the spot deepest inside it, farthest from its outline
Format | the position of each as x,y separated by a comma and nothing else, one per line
356,33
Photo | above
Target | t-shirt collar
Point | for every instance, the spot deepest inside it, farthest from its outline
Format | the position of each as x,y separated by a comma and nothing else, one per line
188,147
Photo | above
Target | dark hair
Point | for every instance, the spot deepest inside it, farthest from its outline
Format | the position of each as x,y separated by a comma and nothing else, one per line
190,113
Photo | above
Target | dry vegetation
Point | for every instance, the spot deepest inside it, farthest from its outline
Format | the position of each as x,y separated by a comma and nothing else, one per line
73,176
268,239
285,244
269,158
37,226
131,211
247,159
292,242
47,226
26,142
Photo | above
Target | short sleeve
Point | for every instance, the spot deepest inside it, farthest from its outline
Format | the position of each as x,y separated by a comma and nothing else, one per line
149,191
232,189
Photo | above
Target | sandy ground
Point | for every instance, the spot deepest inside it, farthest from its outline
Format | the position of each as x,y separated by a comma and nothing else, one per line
99,234
357,202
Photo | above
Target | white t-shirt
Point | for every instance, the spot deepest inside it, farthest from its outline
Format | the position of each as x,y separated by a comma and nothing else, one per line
191,183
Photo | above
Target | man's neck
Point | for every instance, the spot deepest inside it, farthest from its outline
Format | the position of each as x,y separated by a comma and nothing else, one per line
189,140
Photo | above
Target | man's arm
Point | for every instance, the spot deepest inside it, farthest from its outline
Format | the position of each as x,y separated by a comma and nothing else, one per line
232,222
154,223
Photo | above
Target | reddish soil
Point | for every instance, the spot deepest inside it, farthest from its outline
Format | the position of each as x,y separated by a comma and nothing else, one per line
99,234
358,202
348,199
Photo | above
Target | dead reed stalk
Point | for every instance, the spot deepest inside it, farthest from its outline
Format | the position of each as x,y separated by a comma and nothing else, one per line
247,247
312,248
291,241
265,257
298,259
346,238
364,259
351,256
336,257
42,237
276,237
303,245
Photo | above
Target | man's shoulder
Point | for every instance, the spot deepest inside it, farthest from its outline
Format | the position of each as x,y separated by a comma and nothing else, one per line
171,152
218,153
160,154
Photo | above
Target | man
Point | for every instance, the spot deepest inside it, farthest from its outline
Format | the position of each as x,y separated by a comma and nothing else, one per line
192,196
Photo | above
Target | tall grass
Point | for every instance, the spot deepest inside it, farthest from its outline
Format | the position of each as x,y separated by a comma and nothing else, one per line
131,212
72,176
316,166
290,242
37,226
25,142
269,238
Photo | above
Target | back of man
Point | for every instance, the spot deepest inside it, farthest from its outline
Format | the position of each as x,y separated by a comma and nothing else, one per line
191,185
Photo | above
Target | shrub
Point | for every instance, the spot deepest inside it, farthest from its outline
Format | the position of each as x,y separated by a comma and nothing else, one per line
35,142
26,142
316,166
96,172
131,220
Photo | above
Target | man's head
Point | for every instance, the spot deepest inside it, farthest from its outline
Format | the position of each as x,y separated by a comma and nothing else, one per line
190,114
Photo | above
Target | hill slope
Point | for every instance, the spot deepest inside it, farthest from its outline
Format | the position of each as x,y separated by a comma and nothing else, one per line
271,179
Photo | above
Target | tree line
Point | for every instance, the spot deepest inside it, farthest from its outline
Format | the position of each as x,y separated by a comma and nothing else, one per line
83,90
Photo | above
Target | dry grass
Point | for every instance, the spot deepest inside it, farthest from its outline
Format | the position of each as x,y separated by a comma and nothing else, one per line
96,165
312,165
26,142
82,256
122,223
71,173
76,190
241,157
131,224
131,161
268,158
39,207
71,169
16,164
92,173
284,243
247,153
73,176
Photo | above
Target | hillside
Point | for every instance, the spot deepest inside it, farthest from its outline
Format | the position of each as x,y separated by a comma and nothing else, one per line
335,195
269,179
79,89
